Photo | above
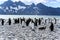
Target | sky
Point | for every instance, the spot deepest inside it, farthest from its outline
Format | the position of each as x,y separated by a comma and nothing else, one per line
52,3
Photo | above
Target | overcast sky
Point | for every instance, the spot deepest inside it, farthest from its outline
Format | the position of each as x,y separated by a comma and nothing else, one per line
53,3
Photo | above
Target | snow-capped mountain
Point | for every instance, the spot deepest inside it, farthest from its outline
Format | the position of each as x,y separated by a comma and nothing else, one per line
19,8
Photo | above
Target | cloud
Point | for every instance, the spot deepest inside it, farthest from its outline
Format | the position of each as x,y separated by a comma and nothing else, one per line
2,1
53,3
37,1
40,1
32,1
58,0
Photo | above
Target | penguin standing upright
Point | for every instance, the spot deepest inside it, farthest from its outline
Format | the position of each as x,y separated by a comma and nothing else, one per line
22,20
18,20
35,23
2,22
39,21
9,21
55,20
52,27
28,21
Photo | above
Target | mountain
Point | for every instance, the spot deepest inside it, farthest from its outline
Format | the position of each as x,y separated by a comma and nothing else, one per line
20,3
19,8
7,4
